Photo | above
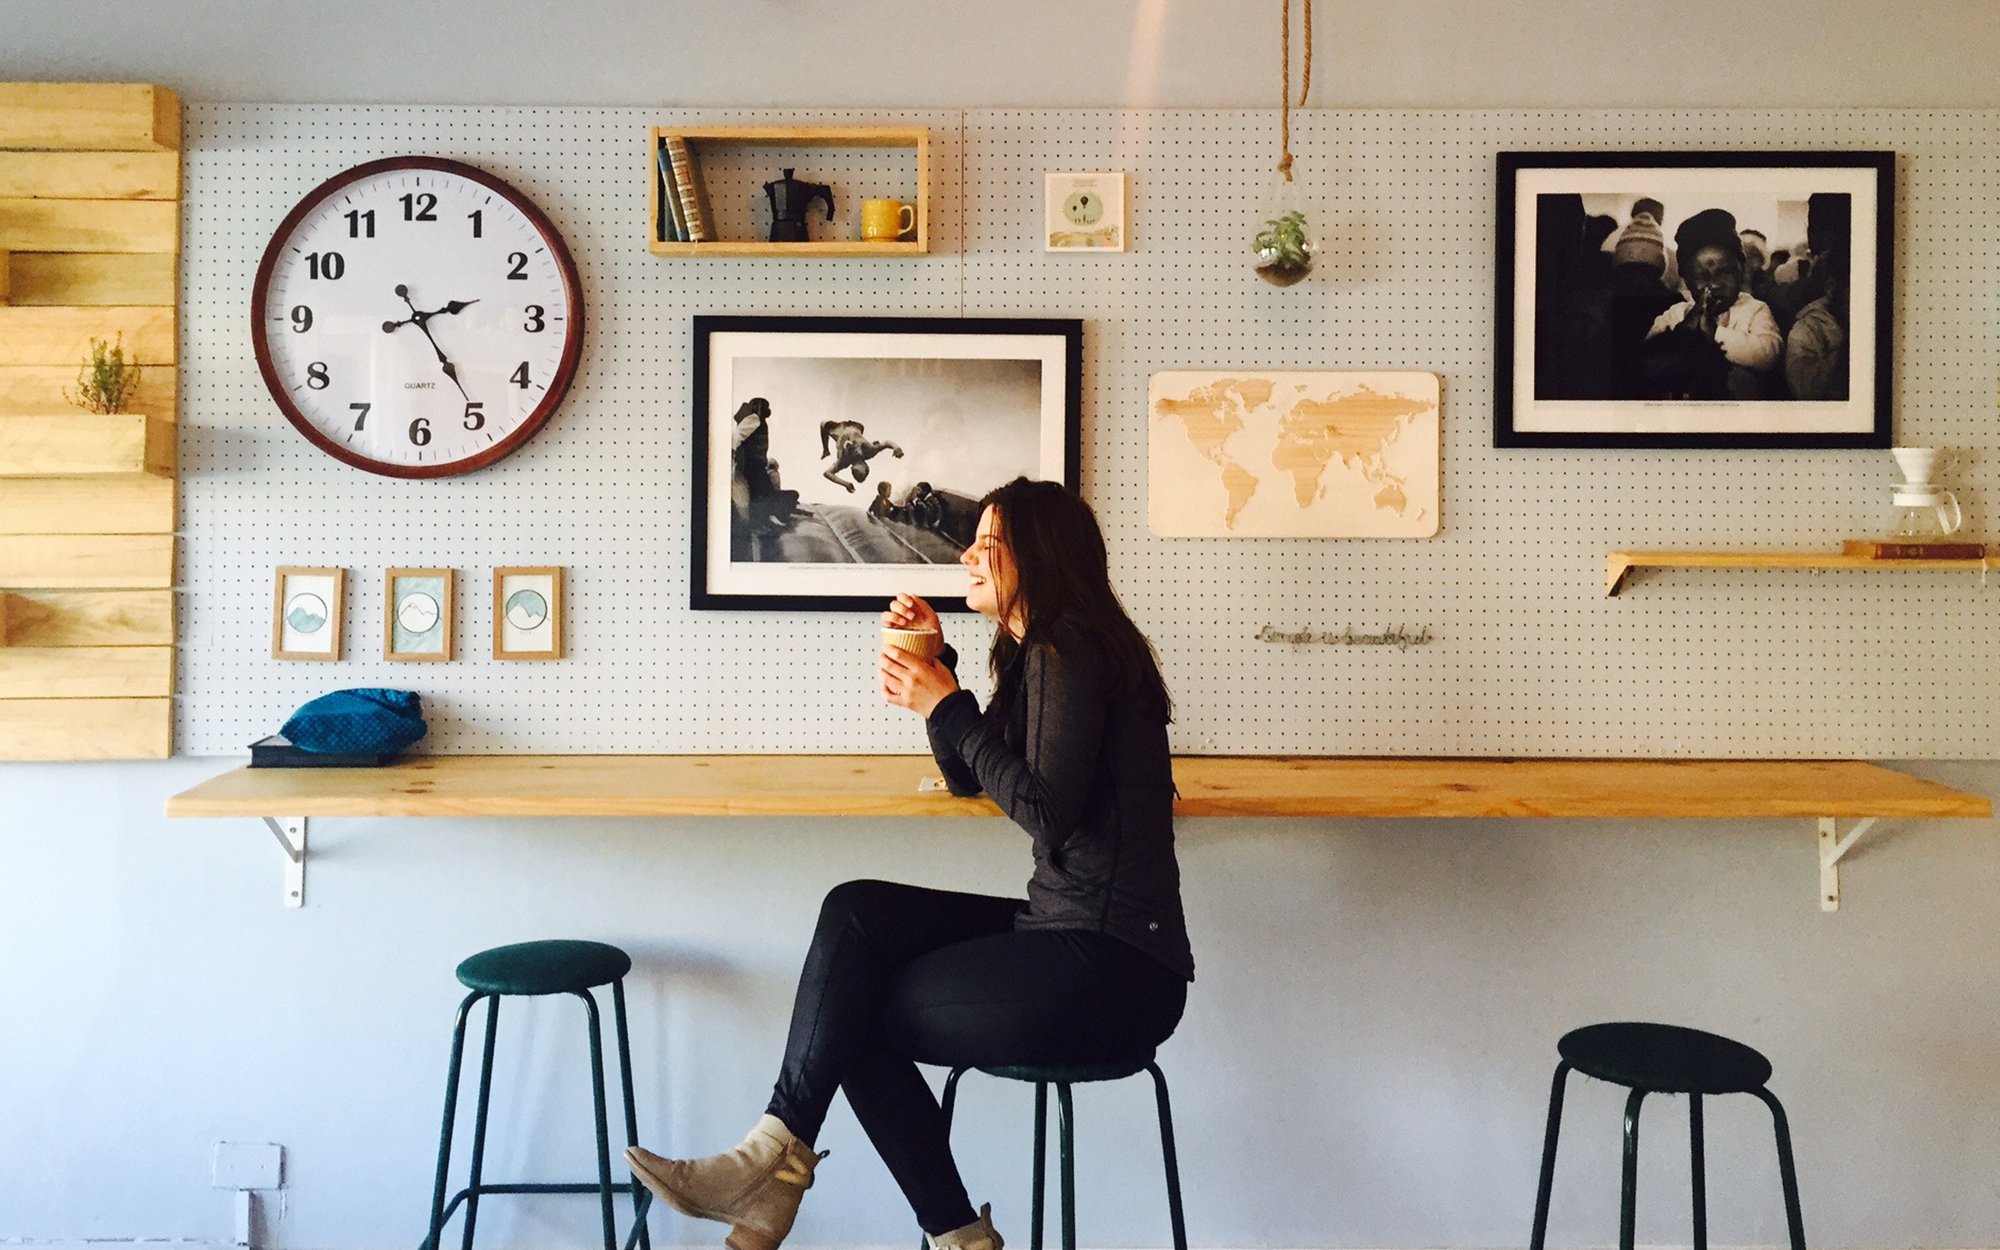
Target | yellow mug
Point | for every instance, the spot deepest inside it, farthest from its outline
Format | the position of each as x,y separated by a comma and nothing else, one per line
885,221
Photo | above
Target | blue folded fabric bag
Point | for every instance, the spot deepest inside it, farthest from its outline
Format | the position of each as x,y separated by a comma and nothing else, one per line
354,721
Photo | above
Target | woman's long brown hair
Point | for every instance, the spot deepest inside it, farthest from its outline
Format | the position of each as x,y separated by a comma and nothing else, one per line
1062,576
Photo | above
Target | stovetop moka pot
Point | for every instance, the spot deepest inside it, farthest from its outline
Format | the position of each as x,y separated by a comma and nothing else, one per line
790,198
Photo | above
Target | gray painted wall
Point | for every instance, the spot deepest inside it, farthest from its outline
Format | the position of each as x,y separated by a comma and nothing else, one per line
1363,1063
1047,53
1367,1050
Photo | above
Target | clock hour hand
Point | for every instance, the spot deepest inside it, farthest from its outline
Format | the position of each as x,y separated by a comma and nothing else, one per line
456,306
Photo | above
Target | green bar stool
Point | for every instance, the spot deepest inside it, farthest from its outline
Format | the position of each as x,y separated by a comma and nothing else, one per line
533,970
1665,1059
1062,1076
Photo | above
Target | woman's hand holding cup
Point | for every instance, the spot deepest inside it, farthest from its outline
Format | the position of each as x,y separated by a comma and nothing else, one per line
911,612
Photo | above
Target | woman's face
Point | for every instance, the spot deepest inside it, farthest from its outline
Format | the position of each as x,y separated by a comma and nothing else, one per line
989,563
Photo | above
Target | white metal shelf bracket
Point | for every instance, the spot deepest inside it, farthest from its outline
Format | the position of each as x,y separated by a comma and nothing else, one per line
1832,845
290,831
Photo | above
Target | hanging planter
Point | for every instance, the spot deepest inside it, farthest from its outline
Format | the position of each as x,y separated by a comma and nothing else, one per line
1286,244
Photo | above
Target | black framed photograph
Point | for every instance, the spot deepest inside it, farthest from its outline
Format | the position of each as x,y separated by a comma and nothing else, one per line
1694,299
839,461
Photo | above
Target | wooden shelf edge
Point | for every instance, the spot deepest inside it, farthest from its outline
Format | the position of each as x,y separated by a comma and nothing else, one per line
826,247
802,136
1305,787
1620,564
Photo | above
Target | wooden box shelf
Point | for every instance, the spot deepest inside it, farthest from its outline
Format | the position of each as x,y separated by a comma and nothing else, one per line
915,139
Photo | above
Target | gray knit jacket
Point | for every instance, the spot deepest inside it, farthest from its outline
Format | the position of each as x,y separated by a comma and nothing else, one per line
1085,769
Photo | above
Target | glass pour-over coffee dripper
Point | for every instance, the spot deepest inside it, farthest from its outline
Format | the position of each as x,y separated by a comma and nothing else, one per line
1923,510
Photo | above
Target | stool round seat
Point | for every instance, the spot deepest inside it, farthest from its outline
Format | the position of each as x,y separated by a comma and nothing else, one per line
1664,1058
1071,1073
557,966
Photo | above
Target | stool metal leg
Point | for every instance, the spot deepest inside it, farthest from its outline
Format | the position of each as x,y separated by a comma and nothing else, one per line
479,1120
1628,1195
1066,1123
1535,1239
450,1115
604,1191
950,1099
1038,1204
1172,1158
631,1110
1698,1172
1787,1172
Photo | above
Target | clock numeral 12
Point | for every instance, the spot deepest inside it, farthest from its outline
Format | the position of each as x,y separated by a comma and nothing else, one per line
419,207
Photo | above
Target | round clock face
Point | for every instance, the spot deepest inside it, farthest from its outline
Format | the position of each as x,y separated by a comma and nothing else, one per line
417,317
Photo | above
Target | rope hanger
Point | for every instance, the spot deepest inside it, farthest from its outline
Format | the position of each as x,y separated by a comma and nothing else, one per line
1305,85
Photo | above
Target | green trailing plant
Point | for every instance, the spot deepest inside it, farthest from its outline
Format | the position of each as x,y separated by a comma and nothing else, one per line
1282,253
105,383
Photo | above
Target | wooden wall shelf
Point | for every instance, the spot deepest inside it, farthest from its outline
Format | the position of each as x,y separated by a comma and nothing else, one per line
90,183
878,786
914,138
1620,564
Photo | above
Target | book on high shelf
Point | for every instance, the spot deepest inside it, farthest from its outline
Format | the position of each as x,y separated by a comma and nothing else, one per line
672,228
694,201
1912,549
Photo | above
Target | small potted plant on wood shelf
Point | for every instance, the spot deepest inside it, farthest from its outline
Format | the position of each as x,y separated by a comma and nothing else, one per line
105,383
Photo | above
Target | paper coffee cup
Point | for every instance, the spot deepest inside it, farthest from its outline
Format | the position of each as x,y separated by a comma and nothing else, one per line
923,643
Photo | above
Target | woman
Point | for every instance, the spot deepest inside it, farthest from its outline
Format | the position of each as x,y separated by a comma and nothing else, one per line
1094,964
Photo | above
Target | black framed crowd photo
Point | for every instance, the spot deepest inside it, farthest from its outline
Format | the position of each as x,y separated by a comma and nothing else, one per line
1694,299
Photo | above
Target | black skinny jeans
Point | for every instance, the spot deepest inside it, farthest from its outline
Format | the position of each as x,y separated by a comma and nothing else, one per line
899,975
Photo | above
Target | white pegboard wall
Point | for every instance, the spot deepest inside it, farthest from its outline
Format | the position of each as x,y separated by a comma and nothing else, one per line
1529,657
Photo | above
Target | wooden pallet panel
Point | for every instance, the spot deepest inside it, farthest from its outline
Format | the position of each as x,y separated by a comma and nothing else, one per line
90,175
38,390
86,729
90,225
87,562
130,505
91,278
61,336
86,672
90,618
86,445
89,116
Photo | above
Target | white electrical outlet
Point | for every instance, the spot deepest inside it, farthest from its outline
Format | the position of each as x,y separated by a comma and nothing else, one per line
249,1165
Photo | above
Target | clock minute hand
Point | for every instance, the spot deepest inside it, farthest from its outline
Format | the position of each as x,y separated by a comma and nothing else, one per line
419,319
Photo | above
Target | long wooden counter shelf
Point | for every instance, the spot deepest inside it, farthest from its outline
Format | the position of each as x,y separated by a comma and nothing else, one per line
905,785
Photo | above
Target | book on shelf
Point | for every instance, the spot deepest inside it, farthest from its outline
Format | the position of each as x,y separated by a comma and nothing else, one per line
1912,549
670,226
693,197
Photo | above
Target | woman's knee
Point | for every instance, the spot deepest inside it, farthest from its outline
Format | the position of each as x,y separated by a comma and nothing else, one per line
854,900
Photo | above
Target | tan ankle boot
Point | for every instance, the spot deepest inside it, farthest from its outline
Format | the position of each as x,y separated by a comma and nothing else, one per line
978,1235
756,1187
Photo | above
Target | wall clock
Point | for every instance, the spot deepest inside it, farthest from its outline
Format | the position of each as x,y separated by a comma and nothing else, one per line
417,317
